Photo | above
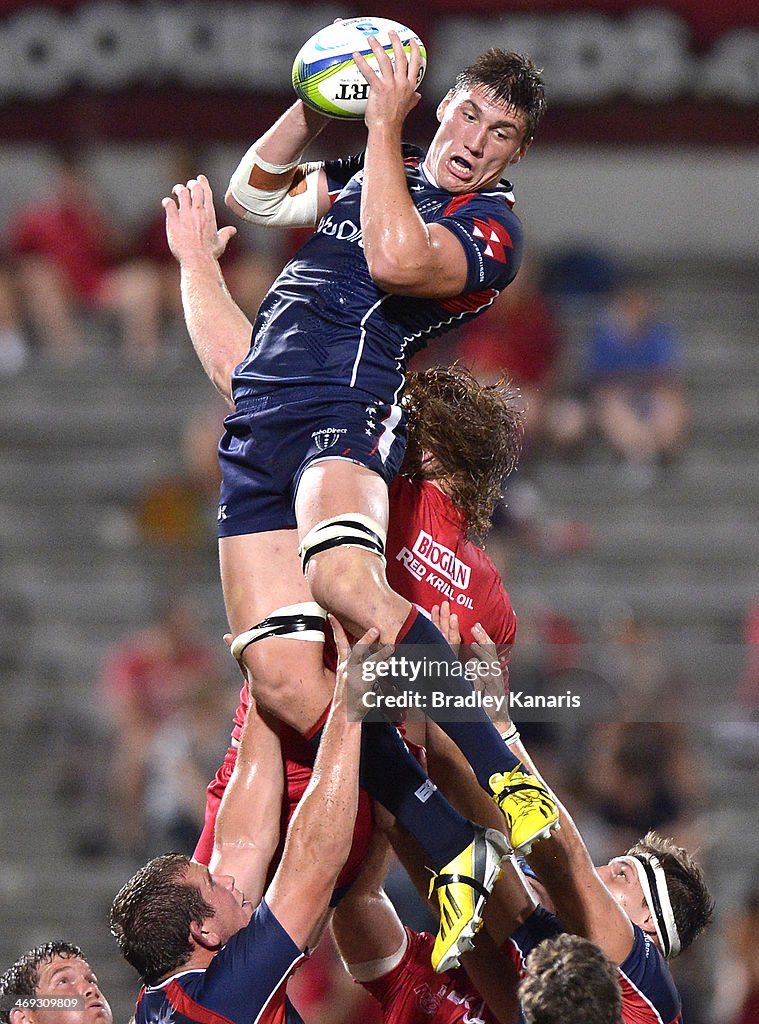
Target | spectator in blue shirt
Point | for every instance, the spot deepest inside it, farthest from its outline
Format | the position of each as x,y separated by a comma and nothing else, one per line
634,376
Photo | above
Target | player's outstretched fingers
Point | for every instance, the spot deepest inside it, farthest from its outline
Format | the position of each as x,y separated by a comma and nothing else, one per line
198,190
182,194
448,623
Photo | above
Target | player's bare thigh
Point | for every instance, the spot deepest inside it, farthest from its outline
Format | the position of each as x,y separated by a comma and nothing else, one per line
260,573
349,581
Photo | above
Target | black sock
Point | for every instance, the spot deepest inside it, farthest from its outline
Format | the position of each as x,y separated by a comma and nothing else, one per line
394,778
477,738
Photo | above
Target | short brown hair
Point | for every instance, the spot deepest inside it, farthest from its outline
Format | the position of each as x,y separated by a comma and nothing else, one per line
151,917
570,978
511,78
474,432
692,904
22,978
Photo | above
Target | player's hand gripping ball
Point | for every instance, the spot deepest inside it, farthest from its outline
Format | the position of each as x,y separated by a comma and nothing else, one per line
325,76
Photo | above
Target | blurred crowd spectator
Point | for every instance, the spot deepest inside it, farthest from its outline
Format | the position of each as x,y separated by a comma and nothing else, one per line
69,263
69,257
175,514
634,379
165,695
522,337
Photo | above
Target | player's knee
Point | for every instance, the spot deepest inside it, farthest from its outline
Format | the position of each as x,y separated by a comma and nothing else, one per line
304,622
344,561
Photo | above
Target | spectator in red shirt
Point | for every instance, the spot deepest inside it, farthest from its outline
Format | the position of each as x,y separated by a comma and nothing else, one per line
148,681
69,258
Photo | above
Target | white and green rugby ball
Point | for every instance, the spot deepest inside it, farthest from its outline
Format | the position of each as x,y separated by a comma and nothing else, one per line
325,76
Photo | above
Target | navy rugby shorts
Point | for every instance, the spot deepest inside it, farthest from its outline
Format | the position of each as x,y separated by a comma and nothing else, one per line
271,439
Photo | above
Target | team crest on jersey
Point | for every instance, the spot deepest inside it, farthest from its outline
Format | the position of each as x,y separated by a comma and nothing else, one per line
427,1000
327,437
495,237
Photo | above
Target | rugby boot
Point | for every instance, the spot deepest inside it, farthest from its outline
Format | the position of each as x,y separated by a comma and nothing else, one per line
528,807
462,888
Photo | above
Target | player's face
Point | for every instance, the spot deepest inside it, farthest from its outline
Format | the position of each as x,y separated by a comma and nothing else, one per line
477,139
231,910
621,879
65,978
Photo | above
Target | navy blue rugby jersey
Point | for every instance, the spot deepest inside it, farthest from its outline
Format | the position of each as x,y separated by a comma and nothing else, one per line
324,321
244,983
649,995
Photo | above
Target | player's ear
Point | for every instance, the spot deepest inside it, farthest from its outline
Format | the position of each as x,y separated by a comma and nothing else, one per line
20,1016
443,104
203,934
521,151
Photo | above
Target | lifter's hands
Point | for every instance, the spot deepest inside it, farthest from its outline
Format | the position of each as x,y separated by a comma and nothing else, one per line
354,675
191,227
393,94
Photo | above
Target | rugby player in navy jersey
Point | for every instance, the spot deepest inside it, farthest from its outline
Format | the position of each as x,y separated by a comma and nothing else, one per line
641,909
566,977
212,946
405,247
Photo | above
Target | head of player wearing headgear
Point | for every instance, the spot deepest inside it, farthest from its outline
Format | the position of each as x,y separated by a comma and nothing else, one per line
662,890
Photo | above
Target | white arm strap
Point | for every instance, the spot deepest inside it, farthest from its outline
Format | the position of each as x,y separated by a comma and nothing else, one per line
292,204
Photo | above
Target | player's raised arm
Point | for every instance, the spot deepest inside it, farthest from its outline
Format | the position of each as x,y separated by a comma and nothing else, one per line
582,901
248,823
404,255
321,831
219,330
270,186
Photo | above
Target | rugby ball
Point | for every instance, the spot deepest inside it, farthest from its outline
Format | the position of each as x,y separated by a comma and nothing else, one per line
324,74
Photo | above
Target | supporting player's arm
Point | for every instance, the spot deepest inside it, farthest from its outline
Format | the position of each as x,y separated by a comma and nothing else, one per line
248,823
405,256
581,901
219,330
372,939
366,925
321,831
270,186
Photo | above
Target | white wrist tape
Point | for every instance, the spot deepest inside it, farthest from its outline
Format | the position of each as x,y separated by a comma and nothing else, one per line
281,206
511,736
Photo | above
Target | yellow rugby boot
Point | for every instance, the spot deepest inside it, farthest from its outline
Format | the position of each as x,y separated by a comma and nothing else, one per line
462,888
528,807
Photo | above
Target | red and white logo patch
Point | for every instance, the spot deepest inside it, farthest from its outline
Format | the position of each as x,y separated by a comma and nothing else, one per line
495,237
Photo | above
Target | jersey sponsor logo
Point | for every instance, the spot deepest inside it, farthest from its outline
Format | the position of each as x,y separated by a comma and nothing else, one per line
420,571
327,437
439,557
343,230
495,237
412,563
445,588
